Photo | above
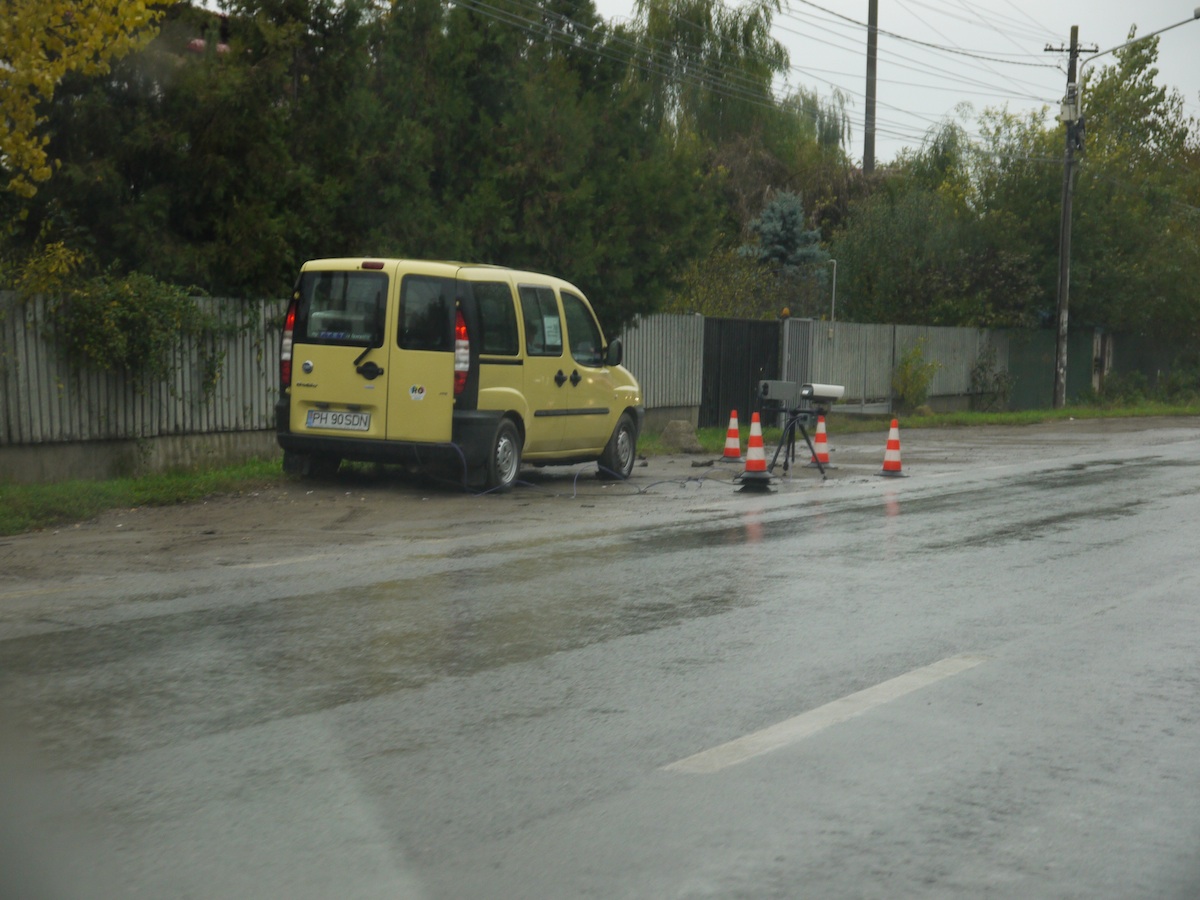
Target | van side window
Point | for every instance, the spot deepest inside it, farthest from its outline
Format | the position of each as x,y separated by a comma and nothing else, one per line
497,318
342,308
583,333
543,327
426,313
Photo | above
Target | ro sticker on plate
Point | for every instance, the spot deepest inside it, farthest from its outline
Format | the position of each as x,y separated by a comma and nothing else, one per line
416,392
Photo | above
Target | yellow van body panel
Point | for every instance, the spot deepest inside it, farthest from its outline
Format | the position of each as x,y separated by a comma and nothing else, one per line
331,386
421,396
593,409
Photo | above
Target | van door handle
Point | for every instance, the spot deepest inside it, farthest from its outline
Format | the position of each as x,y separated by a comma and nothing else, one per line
560,379
369,370
576,378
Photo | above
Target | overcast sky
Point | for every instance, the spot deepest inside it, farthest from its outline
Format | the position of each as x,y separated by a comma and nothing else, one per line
919,86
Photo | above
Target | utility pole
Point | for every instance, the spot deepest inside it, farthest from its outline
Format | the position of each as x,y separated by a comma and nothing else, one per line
1073,120
869,120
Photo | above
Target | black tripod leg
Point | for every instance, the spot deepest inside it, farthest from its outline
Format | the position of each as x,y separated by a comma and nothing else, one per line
787,437
813,450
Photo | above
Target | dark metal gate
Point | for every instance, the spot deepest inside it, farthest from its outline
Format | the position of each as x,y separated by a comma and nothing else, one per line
738,354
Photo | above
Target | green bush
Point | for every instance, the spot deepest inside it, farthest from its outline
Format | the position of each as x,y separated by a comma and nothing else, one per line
991,387
1182,383
133,324
911,380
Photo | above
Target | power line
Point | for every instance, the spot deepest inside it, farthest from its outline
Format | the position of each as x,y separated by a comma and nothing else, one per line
927,25
916,65
940,47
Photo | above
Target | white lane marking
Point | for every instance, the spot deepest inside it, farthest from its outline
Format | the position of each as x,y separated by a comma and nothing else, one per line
280,562
806,724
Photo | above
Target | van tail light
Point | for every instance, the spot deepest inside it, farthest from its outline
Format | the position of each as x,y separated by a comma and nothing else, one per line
285,347
462,353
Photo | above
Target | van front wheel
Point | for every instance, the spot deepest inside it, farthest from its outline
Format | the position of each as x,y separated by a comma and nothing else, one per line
504,460
618,457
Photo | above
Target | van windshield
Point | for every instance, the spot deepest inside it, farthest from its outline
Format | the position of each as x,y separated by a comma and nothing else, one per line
341,308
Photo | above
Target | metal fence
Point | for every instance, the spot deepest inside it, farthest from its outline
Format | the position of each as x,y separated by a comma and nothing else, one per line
45,398
666,354
722,373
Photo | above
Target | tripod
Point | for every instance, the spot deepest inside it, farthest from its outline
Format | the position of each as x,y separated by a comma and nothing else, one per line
797,420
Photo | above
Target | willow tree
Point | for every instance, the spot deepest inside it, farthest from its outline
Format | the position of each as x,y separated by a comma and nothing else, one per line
710,66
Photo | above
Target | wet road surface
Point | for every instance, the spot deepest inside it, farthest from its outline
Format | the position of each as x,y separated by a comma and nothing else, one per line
980,679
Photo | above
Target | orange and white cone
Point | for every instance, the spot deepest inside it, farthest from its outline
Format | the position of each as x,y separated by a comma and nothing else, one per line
756,476
733,440
821,445
891,456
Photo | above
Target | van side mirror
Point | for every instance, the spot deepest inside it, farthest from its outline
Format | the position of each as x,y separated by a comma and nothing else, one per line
615,354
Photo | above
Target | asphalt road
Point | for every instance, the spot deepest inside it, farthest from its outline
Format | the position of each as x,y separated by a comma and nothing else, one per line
978,680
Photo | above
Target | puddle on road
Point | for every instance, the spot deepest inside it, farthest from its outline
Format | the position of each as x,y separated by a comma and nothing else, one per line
92,694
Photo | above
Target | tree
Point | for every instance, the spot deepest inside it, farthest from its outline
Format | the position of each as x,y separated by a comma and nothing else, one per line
710,66
42,41
1018,181
784,241
1135,265
726,283
924,250
1135,258
759,281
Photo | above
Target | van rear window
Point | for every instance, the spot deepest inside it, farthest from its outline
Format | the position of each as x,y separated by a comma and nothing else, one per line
497,318
342,308
426,313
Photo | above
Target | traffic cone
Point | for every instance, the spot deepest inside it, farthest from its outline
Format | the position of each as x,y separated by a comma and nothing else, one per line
891,456
756,476
821,445
733,441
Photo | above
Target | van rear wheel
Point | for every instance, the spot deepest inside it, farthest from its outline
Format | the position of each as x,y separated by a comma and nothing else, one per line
504,460
307,465
618,457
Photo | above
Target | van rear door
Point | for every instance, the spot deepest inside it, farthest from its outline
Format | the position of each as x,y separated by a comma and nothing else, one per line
421,359
337,343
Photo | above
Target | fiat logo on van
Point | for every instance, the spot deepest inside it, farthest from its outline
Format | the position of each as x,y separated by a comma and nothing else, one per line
416,392
307,366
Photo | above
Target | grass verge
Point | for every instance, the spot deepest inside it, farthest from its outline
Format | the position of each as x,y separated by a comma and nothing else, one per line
33,507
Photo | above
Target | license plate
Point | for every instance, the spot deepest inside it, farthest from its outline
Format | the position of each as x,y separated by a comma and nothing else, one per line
342,421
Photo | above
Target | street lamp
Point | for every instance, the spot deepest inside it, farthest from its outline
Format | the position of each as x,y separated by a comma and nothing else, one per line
1072,117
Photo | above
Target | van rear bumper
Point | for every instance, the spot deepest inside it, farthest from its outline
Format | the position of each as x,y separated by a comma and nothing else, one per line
470,442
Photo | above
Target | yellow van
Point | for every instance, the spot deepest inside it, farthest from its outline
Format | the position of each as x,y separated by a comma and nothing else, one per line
406,361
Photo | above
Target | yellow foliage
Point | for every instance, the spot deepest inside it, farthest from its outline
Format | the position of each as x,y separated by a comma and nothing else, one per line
41,41
48,270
